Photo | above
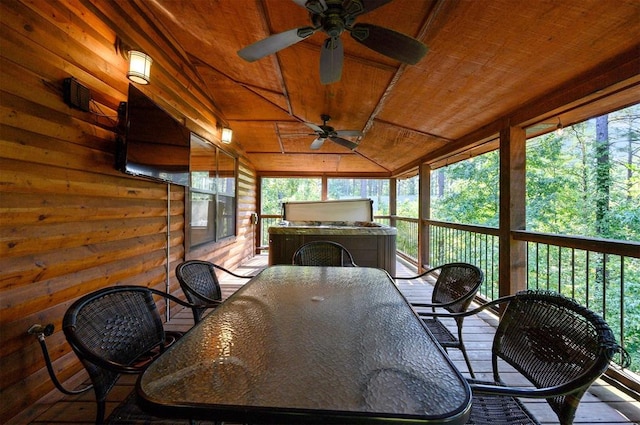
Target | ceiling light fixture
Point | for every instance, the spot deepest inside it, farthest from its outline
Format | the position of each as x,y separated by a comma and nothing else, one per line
559,128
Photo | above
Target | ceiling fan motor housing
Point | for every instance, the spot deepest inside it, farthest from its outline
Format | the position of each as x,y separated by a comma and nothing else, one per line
333,25
328,131
335,18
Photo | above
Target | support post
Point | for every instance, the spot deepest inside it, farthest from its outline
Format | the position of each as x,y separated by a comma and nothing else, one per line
424,214
512,210
393,201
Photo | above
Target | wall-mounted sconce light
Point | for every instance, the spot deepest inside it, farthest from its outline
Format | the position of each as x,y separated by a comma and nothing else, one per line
227,134
559,128
139,62
139,67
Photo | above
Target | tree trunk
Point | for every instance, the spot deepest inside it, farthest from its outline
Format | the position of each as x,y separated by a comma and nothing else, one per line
603,175
603,188
629,162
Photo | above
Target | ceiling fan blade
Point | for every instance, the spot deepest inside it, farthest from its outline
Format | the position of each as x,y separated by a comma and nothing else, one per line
349,133
389,42
356,8
313,6
344,142
316,144
331,58
314,127
275,43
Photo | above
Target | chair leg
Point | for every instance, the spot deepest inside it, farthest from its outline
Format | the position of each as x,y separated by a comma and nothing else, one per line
100,412
466,359
464,351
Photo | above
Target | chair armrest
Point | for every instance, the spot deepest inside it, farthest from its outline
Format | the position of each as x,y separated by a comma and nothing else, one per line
230,272
493,388
414,277
471,312
443,305
212,303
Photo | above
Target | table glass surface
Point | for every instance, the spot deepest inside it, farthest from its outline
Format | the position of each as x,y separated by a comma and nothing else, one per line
338,343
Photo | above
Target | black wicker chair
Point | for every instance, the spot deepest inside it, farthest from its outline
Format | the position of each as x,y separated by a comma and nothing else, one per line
323,253
558,345
200,284
455,288
116,330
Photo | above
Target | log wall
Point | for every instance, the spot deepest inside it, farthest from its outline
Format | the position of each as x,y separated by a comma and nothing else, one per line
70,223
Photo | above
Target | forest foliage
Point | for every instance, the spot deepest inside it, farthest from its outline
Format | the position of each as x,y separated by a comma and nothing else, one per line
564,193
583,181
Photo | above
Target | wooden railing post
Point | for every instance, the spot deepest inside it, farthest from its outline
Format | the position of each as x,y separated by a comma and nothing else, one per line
512,256
424,214
393,201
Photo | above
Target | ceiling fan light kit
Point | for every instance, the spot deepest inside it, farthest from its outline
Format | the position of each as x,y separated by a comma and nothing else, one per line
333,17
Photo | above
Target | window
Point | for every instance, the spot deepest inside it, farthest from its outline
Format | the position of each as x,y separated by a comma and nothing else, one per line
212,193
226,214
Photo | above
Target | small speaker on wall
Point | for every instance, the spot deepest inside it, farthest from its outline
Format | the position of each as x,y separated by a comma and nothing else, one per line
76,95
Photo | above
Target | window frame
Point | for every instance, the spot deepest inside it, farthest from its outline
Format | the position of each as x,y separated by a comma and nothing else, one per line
212,235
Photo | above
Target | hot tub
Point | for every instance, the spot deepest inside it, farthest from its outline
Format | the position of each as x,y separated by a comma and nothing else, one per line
371,244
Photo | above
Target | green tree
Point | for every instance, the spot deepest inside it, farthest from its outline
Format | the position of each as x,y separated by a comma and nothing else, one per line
468,191
548,192
375,189
407,192
603,175
277,190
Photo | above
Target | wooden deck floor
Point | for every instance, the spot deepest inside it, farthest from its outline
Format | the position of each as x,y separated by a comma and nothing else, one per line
602,405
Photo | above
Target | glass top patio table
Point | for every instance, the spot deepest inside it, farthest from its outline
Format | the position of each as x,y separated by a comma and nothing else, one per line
309,345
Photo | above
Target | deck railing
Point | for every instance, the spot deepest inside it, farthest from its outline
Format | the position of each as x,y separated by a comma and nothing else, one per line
267,221
478,245
407,237
603,275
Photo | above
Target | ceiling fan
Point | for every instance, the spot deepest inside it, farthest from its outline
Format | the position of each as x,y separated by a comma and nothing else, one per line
325,132
334,17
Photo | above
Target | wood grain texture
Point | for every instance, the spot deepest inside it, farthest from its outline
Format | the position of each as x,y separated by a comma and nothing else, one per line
70,223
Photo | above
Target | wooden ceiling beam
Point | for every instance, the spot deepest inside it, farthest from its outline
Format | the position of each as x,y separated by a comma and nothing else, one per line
435,10
258,91
413,130
278,68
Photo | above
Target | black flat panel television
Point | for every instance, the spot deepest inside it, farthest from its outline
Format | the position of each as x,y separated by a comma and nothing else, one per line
151,142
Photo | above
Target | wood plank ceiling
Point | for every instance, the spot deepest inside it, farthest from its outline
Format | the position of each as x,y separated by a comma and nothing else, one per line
485,60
